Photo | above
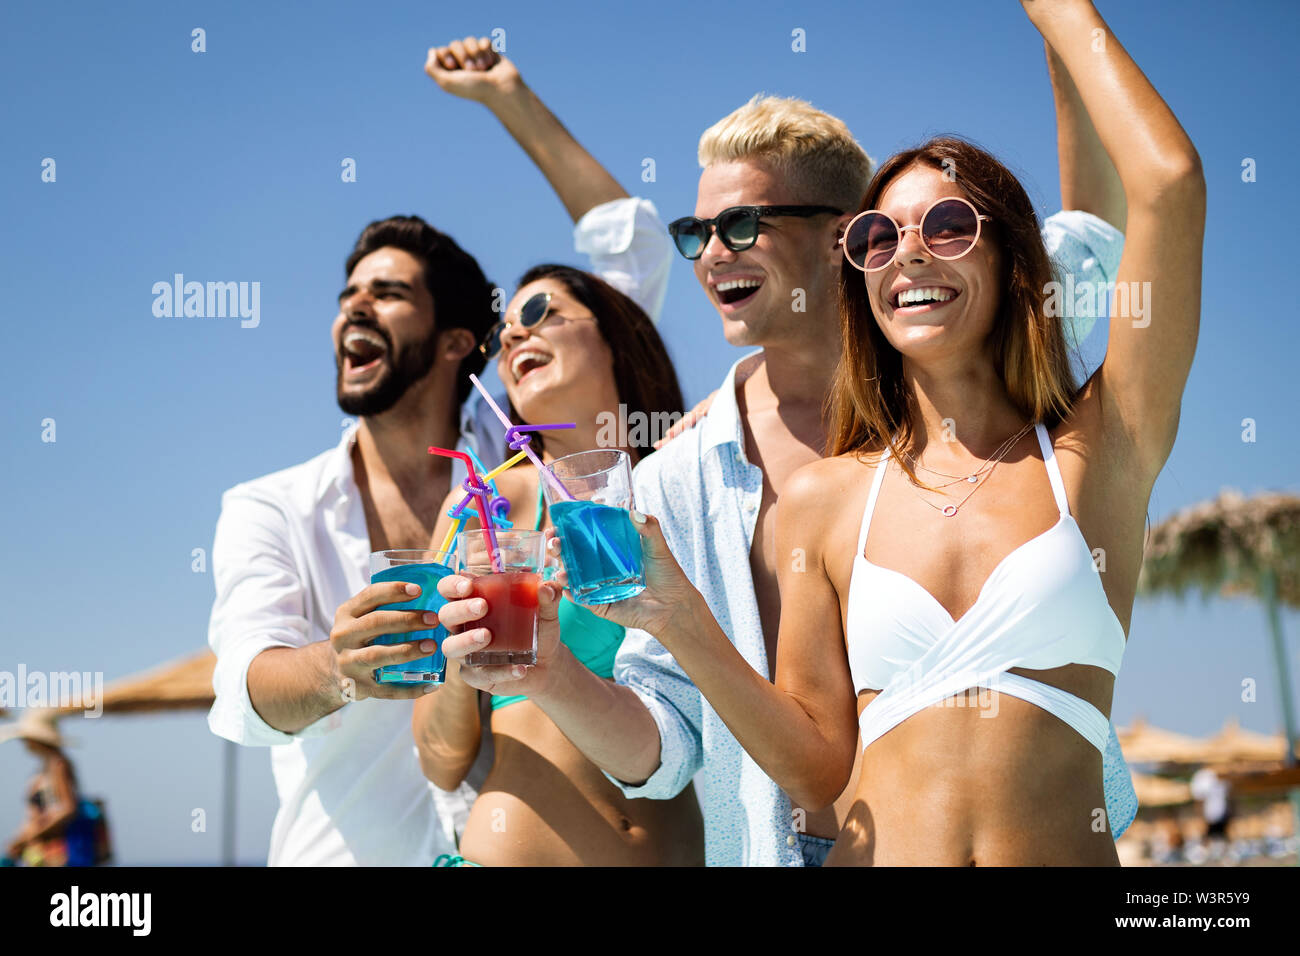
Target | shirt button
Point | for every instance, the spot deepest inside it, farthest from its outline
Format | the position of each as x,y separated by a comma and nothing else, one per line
751,507
790,840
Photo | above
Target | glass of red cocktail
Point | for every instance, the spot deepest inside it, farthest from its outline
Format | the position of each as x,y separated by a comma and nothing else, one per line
507,579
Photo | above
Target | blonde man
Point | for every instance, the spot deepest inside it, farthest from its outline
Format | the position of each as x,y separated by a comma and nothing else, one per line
780,181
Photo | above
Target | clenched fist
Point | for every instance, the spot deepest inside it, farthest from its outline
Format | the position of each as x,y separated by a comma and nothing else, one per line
470,68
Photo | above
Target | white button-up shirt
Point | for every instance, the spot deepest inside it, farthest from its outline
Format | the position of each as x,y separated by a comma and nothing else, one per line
290,548
706,495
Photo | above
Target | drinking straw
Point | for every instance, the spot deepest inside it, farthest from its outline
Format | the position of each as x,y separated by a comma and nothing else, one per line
522,442
499,505
481,501
508,463
455,529
498,515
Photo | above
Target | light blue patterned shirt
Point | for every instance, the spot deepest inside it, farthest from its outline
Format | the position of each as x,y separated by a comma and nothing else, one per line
706,495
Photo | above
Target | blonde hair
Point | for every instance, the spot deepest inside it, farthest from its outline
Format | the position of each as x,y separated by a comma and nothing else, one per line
812,148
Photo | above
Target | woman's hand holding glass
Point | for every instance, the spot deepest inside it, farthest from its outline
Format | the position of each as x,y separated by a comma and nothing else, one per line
669,599
463,610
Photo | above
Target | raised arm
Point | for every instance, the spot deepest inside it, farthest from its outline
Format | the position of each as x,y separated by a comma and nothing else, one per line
1089,181
1156,311
470,68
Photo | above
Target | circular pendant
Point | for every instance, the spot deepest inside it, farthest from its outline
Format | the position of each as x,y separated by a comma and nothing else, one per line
949,511
972,479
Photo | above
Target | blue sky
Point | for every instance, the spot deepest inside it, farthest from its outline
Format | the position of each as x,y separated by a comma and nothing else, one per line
225,166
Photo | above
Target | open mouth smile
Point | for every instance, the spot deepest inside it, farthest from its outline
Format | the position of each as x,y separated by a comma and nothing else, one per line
363,351
734,292
526,361
917,300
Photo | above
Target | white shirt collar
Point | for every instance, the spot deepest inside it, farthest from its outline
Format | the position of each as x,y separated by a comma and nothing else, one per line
723,424
337,478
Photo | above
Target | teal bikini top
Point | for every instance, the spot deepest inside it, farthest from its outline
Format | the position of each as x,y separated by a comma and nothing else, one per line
593,640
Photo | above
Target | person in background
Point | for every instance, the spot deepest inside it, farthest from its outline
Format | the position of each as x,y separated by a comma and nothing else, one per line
1214,794
59,829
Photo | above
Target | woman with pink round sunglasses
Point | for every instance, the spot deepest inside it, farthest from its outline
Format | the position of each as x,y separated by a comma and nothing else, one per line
961,630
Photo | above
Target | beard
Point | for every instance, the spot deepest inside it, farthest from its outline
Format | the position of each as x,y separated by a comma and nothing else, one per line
402,369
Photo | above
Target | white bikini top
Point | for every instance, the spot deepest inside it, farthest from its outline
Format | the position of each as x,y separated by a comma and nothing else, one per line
1042,607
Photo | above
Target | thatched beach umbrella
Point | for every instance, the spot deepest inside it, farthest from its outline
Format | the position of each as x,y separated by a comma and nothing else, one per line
1235,546
1144,743
183,684
1234,745
1160,792
1231,546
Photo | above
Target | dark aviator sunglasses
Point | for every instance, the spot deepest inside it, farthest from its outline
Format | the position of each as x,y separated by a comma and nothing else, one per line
531,314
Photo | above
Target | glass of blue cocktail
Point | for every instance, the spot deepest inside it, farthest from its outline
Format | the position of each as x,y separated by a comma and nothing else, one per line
425,568
600,548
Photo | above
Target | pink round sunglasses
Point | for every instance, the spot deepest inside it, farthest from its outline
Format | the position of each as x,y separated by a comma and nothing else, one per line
949,228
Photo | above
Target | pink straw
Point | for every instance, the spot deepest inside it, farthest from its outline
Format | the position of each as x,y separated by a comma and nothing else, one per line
482,502
521,442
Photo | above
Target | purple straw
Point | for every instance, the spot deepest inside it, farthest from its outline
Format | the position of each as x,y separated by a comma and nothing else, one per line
522,442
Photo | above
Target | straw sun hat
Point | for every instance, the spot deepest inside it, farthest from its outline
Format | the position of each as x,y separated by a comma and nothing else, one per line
35,725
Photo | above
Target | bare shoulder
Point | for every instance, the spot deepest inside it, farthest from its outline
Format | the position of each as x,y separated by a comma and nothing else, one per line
838,472
814,494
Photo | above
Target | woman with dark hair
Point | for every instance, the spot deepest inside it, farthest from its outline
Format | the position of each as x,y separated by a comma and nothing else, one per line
975,592
571,348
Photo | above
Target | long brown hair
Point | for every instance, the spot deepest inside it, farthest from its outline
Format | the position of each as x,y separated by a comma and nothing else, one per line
643,371
870,401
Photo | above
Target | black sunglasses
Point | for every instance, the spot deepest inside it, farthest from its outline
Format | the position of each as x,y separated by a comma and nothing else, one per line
737,227
531,314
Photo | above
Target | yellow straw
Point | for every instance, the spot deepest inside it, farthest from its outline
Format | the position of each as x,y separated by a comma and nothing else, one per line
451,534
502,467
